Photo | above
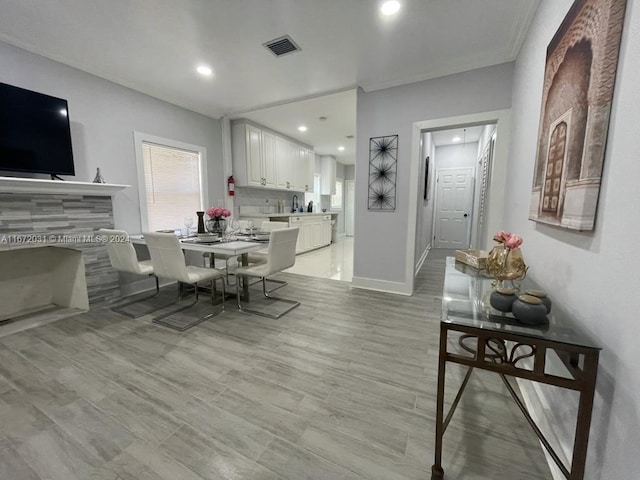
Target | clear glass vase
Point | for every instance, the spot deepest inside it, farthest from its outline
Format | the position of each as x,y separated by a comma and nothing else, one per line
216,225
506,264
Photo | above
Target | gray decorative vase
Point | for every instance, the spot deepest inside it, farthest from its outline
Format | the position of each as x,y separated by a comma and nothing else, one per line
542,295
530,310
502,299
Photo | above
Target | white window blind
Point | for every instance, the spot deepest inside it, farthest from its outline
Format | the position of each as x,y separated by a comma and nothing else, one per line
336,200
315,195
172,183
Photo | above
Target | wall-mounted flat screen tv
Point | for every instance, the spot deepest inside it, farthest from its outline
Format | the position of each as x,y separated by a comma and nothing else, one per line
34,132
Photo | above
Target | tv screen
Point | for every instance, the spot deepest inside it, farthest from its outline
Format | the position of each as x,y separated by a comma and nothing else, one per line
34,132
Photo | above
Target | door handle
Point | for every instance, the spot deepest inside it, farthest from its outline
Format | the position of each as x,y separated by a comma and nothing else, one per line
466,215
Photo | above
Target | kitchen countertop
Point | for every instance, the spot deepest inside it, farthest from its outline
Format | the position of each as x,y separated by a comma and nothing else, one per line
287,215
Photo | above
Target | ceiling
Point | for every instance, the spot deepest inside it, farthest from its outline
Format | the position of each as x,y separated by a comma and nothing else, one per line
154,46
456,136
325,136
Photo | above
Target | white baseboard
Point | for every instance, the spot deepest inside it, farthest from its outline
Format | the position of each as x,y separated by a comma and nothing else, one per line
536,405
400,288
422,259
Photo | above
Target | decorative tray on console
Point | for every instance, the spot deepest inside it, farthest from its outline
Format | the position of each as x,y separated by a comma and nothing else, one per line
474,258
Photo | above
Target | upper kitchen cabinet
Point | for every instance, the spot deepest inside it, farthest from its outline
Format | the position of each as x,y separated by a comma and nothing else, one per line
327,175
311,166
253,153
304,159
284,161
262,158
269,159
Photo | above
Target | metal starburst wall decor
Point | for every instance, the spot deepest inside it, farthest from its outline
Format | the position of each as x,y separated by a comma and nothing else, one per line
383,160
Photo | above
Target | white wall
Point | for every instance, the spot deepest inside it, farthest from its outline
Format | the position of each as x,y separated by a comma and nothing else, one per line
478,230
340,222
380,261
485,137
591,275
424,218
104,116
454,156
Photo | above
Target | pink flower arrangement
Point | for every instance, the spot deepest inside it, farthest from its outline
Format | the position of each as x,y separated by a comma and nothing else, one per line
509,240
218,212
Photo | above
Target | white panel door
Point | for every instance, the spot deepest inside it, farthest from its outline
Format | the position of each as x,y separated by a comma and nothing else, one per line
454,205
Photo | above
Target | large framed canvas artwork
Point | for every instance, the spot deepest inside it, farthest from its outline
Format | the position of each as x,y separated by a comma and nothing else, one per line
578,87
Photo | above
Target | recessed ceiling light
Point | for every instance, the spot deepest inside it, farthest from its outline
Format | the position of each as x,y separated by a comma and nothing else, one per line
390,7
204,70
456,139
302,128
341,148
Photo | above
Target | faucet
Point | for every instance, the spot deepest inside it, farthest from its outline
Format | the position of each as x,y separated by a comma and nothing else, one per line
294,203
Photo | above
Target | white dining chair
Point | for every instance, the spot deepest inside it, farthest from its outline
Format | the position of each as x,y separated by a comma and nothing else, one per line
281,254
123,258
169,262
260,256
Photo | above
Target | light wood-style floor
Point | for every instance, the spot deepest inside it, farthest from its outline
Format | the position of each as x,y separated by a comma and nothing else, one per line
343,387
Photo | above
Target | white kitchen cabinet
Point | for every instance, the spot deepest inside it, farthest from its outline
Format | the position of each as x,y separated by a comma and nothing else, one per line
296,168
264,159
254,156
312,233
269,159
326,229
283,159
327,175
308,232
317,234
304,169
310,163
297,222
300,168
246,145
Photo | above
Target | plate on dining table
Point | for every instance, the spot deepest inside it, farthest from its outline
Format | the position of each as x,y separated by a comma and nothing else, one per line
203,239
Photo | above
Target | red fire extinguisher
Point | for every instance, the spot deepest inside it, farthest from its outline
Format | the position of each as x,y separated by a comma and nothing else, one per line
231,186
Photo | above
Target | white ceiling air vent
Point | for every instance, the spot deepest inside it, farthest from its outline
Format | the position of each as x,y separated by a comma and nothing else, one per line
282,46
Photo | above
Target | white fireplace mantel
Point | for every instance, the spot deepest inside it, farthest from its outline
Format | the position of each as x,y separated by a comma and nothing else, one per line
38,185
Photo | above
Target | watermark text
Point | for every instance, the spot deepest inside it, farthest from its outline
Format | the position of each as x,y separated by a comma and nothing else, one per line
59,238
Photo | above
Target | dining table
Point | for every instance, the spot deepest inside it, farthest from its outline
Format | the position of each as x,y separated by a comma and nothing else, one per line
240,247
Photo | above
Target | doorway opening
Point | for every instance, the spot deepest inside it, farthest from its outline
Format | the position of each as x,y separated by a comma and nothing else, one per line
489,182
461,159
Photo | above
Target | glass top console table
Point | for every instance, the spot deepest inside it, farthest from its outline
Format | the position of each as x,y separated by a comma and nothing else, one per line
475,335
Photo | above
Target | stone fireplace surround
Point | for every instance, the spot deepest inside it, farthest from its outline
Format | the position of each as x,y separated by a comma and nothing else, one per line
36,215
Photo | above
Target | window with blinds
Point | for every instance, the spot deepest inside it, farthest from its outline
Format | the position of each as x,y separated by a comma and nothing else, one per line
336,200
172,185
